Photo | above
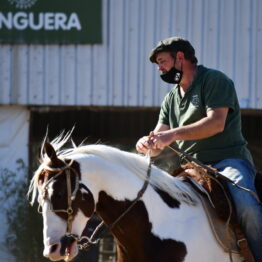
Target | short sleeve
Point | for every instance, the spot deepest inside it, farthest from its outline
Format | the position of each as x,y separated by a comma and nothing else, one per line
219,91
164,111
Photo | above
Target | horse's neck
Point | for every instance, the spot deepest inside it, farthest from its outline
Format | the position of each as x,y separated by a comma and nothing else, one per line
131,228
100,175
120,184
150,223
114,188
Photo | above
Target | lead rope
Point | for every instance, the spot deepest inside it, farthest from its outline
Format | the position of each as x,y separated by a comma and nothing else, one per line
99,233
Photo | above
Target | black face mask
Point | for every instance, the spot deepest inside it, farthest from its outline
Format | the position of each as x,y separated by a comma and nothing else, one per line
173,76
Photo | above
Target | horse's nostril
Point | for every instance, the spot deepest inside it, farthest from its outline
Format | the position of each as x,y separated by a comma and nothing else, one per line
53,248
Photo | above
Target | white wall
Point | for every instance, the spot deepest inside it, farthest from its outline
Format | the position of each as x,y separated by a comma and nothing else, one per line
227,35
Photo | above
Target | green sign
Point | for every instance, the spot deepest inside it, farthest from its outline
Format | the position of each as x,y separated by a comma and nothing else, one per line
51,21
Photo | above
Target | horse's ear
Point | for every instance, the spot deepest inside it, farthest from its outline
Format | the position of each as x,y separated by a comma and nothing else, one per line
50,151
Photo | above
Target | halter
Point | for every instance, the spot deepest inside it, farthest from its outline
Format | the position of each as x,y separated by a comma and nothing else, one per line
84,242
70,195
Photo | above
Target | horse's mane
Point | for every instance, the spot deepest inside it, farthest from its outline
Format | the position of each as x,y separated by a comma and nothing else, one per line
135,163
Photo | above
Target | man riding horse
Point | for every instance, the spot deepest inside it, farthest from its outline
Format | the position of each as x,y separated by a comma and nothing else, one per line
201,115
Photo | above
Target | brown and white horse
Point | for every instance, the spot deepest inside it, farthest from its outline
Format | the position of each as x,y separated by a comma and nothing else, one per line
167,223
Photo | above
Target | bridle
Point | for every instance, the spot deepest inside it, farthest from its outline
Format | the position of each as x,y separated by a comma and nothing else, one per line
84,242
70,195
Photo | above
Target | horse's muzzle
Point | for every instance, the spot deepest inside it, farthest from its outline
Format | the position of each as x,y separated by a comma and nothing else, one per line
66,241
52,252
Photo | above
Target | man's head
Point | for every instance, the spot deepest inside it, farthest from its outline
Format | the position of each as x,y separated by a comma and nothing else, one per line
174,45
172,56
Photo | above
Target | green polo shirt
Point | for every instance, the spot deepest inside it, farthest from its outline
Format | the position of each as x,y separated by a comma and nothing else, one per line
210,89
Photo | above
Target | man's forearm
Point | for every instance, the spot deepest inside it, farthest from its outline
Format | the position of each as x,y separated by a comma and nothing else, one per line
201,129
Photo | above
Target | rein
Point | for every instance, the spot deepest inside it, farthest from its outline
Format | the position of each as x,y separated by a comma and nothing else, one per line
84,242
188,158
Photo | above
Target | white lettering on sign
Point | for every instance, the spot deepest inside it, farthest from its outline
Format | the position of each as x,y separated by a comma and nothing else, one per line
20,22
34,25
60,20
47,21
7,21
73,22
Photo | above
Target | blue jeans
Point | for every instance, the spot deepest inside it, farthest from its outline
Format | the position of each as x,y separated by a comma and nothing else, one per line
248,209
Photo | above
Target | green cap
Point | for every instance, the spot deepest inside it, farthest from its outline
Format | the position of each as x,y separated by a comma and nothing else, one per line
172,44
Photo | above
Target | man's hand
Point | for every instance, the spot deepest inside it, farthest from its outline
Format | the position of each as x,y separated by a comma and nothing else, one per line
162,139
144,144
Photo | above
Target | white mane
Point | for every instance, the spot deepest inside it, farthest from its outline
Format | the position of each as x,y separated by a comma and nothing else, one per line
135,163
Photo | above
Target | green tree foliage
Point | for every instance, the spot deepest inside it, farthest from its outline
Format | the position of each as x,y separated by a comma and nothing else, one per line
24,234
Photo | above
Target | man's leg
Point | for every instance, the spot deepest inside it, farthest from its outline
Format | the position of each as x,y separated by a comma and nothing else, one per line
248,209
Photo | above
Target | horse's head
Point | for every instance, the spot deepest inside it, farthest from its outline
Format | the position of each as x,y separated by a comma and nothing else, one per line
65,202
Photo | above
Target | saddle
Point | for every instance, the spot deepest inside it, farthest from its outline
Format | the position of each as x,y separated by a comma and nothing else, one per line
218,206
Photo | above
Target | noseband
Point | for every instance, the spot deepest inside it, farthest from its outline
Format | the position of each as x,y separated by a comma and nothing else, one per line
84,242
